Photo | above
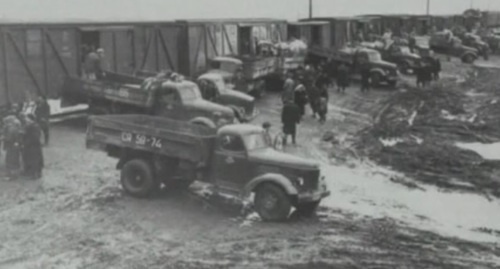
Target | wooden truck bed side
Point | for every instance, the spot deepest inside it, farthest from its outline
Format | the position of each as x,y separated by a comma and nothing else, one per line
152,134
78,90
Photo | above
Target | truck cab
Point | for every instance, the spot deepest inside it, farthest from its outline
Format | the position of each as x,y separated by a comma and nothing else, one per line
380,70
445,42
474,41
182,100
213,88
396,53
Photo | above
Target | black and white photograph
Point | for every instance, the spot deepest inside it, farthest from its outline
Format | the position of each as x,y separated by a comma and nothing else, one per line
234,134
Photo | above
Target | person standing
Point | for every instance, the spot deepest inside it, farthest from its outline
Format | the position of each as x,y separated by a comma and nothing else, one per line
365,77
342,78
290,117
322,109
267,133
436,68
300,98
32,149
93,64
288,89
12,145
42,115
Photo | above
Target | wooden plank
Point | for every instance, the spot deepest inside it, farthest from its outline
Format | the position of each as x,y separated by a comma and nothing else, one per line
228,40
210,37
45,67
146,54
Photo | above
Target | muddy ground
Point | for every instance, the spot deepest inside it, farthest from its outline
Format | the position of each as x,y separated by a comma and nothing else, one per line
78,217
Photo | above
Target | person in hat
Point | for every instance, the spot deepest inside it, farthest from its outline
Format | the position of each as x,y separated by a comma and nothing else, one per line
300,97
93,64
290,117
12,143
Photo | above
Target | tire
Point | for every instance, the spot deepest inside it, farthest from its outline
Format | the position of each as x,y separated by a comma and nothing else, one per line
138,179
468,59
272,203
307,209
392,84
375,79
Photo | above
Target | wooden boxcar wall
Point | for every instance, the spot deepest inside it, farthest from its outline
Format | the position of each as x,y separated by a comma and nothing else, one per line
206,40
35,60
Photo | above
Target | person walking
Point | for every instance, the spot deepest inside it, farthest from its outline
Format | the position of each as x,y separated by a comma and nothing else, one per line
32,149
365,77
322,109
93,64
436,68
290,117
42,115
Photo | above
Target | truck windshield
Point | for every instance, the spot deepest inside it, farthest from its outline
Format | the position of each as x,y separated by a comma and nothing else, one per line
374,56
255,141
219,83
189,92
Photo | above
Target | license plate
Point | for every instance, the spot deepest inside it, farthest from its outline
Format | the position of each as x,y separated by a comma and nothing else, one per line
141,140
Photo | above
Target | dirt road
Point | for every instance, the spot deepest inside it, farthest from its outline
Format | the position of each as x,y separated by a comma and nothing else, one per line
77,216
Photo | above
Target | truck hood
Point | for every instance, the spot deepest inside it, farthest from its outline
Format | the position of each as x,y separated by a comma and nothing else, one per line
384,64
207,106
272,157
225,75
237,96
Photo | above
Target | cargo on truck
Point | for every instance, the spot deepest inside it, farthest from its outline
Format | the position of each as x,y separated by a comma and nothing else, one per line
446,43
236,159
171,97
398,54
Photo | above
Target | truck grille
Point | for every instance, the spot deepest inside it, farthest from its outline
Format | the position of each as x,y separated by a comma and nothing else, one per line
311,179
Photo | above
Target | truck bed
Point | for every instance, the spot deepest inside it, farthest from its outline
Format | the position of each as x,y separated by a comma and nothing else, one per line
115,87
152,134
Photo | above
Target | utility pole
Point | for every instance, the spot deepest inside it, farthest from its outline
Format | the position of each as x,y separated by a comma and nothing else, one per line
310,9
428,7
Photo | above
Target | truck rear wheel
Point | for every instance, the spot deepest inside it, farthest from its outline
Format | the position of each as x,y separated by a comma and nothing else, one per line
307,209
375,79
137,178
272,203
468,59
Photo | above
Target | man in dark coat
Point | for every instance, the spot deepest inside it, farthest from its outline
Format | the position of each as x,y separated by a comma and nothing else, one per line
290,117
32,149
288,88
342,78
365,77
301,98
42,114
436,68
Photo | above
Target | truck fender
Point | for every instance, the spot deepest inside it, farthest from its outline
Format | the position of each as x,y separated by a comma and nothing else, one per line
465,54
238,113
277,179
203,121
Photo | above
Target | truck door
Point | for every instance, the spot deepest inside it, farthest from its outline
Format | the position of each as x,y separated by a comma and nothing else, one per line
231,162
169,104
208,89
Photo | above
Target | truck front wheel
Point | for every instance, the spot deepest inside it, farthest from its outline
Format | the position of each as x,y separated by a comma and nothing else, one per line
375,79
307,209
272,203
137,178
468,59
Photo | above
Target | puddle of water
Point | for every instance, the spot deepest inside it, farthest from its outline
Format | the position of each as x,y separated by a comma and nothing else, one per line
487,151
374,195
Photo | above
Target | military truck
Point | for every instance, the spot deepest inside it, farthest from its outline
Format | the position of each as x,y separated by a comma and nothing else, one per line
236,159
445,43
171,98
214,89
380,70
474,41
397,54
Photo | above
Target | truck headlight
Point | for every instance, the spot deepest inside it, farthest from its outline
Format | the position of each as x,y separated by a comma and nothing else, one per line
300,181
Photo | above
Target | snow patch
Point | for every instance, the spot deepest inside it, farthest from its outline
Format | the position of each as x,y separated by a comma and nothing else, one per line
487,151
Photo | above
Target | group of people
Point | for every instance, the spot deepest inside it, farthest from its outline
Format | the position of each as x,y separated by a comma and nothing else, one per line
21,133
427,71
304,86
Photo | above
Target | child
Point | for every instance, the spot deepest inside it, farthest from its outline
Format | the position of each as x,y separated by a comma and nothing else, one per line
323,109
267,135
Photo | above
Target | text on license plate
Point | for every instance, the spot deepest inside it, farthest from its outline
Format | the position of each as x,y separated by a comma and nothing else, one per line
141,140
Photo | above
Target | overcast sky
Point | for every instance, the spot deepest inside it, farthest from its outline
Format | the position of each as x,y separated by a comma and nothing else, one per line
179,9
